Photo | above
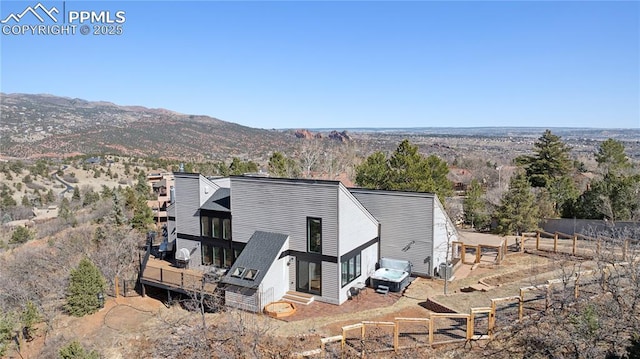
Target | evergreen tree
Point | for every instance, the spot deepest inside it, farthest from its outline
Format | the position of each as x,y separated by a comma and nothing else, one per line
142,215
551,160
142,188
118,214
106,192
25,201
7,331
474,206
611,157
405,170
65,211
76,194
550,167
374,172
29,317
21,235
615,195
75,350
281,166
239,167
51,197
518,211
85,283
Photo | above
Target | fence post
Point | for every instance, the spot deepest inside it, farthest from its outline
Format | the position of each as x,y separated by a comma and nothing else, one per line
521,305
470,324
462,253
537,240
492,318
478,253
117,288
555,242
625,249
396,334
431,330
575,242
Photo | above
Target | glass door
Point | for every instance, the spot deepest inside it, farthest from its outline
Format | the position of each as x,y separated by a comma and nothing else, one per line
309,277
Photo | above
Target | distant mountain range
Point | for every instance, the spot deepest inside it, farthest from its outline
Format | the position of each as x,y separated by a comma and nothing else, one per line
46,125
35,125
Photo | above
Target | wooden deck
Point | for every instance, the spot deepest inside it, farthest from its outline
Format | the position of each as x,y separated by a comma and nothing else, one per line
162,274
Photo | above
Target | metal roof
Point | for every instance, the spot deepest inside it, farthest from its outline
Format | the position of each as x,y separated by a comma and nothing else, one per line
256,258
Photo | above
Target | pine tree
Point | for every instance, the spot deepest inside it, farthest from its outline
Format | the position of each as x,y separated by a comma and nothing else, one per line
142,215
550,167
29,318
611,158
76,194
475,206
75,350
551,160
405,170
85,283
51,197
21,235
518,211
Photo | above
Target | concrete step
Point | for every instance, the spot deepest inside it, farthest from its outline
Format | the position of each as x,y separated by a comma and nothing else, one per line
299,298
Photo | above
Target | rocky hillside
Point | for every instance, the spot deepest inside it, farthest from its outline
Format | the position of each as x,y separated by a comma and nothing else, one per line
41,125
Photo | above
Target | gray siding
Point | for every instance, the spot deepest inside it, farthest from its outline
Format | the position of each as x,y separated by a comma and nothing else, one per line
187,204
283,206
242,298
406,221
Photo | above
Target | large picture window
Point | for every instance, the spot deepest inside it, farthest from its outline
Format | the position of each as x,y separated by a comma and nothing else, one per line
314,235
350,268
218,256
215,227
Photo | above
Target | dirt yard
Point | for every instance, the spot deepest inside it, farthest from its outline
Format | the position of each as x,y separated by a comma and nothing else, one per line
117,330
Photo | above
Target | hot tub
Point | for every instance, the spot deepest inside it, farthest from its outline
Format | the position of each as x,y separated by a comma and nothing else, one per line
393,274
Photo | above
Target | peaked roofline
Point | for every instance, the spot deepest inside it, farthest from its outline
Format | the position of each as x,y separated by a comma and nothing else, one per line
392,192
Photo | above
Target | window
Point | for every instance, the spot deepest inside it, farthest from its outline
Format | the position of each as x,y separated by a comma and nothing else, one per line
226,228
314,235
207,254
205,223
251,274
217,228
238,272
350,268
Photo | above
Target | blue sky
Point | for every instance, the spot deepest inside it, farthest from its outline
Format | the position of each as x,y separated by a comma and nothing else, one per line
348,64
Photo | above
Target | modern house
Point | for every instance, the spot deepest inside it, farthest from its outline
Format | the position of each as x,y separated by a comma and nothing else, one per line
311,236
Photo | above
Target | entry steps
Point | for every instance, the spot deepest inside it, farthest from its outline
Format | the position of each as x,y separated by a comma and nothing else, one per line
382,289
299,298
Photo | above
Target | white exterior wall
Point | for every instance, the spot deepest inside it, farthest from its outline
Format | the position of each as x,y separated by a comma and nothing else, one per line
444,232
277,278
368,258
194,248
356,225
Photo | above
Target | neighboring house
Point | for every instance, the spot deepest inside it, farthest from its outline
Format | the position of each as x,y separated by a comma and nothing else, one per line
312,236
161,184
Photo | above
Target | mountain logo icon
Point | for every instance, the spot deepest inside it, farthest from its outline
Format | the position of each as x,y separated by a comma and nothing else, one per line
36,11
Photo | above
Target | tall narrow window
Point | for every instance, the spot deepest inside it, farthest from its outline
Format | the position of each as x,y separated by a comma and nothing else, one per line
226,228
207,254
205,226
314,235
217,228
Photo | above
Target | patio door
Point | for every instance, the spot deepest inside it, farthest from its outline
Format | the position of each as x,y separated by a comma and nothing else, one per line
309,277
